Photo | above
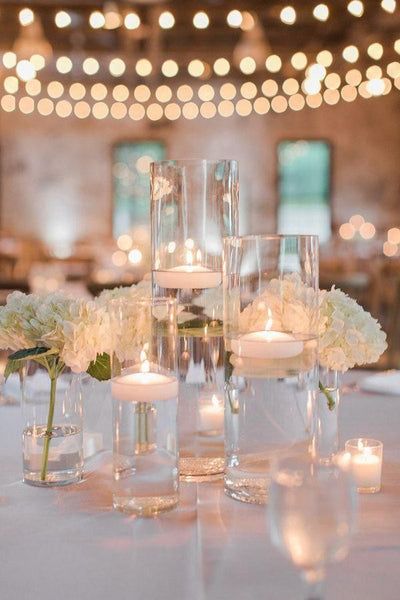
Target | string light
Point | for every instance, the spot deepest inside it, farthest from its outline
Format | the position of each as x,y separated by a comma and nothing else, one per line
208,110
11,84
98,91
393,235
45,107
227,91
234,18
172,111
356,8
100,110
9,60
390,249
374,72
311,86
321,12
37,61
166,20
120,93
77,91
332,81
142,93
288,15
62,19
26,16
389,5
279,104
261,106
221,67
132,20
25,70
247,65
33,87
273,63
297,102
367,231
196,68
331,97
184,93
190,110
55,89
64,64
325,58
299,61
201,20
136,112
8,103
393,69
351,54
118,110
26,105
349,93
117,67
169,68
375,87
82,110
163,93
63,108
353,77
375,51
290,86
90,66
243,107
143,67
269,88
316,71
226,108
97,20
206,92
346,231
248,21
248,90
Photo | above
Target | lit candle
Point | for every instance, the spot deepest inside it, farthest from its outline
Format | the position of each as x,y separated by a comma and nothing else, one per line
188,277
144,387
211,415
366,464
267,344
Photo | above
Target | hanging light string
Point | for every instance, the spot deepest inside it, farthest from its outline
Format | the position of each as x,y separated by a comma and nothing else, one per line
110,17
204,102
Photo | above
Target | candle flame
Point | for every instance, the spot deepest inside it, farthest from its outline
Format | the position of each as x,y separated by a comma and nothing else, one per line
268,324
189,257
145,367
214,400
360,445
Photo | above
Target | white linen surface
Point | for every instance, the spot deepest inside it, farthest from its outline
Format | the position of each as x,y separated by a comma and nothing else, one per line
382,383
68,543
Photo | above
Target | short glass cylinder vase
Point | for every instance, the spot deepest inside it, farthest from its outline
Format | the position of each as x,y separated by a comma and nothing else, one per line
194,205
271,370
145,404
326,432
52,427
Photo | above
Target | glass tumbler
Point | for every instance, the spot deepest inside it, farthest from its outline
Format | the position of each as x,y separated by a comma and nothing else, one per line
145,403
194,204
271,376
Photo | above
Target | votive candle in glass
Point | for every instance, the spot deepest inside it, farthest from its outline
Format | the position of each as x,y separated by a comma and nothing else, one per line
366,464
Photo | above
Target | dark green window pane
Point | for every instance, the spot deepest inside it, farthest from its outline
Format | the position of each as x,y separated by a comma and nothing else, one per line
131,188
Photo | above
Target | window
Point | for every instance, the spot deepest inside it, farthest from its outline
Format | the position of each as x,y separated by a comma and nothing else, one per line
131,187
304,188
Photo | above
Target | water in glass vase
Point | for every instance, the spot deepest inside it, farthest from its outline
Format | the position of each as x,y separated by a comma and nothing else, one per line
65,460
145,457
201,376
269,409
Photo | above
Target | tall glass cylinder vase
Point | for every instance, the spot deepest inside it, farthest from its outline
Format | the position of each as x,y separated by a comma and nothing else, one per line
194,205
52,430
326,434
271,371
145,404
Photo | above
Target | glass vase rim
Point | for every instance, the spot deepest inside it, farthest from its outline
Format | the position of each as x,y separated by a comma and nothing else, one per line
147,300
367,443
271,236
190,161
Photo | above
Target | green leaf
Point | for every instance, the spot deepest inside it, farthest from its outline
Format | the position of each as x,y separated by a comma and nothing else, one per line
12,366
27,353
100,368
328,396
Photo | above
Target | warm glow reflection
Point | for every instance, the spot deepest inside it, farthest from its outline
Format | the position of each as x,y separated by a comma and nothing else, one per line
357,221
119,258
269,88
393,235
77,91
349,93
314,100
346,231
227,91
390,249
393,69
367,231
248,90
184,93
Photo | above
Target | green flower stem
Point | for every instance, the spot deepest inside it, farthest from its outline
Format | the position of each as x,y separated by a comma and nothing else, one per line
328,396
49,427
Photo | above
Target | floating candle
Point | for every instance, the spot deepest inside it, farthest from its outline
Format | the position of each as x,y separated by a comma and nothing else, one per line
144,387
267,344
211,415
188,277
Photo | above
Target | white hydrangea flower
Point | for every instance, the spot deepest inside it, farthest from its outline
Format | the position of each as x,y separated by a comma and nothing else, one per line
76,328
349,335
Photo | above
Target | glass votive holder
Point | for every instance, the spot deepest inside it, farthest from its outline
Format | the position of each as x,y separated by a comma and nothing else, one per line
366,464
145,393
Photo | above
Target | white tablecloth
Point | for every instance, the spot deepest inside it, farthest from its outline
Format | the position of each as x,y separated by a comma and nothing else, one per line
68,544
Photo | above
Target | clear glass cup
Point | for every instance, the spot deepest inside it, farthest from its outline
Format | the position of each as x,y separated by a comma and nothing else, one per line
271,370
145,402
51,456
194,204
312,510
